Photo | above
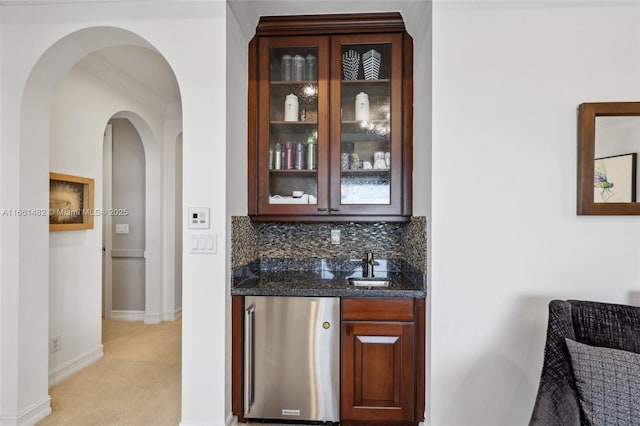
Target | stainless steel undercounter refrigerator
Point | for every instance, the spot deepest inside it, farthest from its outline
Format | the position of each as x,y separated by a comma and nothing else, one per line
292,358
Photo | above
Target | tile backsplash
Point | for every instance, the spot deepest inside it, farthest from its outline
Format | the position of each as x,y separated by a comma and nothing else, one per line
244,241
387,240
415,243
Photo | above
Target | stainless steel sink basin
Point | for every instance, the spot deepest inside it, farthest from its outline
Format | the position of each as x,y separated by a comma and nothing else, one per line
369,282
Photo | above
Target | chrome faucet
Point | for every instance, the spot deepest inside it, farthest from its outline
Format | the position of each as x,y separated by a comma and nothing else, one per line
370,263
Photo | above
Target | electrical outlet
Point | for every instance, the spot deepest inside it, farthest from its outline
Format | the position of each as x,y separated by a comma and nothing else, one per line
54,344
335,236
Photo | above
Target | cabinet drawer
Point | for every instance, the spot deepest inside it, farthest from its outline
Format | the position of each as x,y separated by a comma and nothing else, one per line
377,309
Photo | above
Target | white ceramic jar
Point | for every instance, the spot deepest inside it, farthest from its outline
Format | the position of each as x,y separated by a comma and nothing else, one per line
291,108
362,107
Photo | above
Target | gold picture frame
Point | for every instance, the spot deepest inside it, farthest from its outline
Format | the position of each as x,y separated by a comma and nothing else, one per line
70,202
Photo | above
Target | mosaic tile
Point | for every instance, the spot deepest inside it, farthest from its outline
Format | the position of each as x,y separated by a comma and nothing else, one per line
415,243
303,242
244,241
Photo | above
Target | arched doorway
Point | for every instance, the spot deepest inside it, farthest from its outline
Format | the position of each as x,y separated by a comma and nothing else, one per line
67,266
123,232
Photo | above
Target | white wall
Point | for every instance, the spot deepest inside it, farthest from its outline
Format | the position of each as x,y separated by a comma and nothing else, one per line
177,293
172,182
507,80
236,159
128,194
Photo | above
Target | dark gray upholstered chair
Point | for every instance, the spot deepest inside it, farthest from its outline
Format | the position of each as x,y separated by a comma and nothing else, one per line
592,323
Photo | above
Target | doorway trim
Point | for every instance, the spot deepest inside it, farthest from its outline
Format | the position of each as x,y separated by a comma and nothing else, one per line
154,219
107,239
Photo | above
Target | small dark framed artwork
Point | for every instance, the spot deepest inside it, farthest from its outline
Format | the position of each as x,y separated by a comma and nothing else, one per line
614,179
70,202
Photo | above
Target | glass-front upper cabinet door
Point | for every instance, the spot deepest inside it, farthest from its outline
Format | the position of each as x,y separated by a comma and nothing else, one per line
366,124
293,125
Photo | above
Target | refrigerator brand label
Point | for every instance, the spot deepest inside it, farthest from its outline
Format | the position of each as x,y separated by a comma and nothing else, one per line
286,412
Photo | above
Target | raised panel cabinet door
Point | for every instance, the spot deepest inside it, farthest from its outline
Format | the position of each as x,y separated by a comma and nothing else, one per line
378,370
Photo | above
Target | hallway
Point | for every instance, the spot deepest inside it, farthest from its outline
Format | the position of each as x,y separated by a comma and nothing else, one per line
138,382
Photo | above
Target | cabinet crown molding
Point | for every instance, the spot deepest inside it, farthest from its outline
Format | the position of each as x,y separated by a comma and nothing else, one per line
339,23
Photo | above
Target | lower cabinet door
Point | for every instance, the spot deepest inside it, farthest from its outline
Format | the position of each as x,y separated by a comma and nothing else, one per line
378,371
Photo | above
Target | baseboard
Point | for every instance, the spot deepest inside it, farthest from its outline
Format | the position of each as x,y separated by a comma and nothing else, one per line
29,416
146,318
185,423
231,420
36,412
127,315
152,318
165,316
172,316
69,368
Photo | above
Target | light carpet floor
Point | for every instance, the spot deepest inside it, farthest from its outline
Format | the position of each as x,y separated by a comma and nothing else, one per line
136,383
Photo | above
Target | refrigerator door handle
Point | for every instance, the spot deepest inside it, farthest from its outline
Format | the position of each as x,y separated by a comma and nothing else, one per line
249,357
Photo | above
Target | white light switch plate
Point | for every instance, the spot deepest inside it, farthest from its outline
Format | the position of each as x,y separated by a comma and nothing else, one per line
335,236
122,228
204,244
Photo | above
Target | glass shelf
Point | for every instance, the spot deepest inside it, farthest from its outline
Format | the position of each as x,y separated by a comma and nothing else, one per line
293,123
294,83
365,172
293,171
349,82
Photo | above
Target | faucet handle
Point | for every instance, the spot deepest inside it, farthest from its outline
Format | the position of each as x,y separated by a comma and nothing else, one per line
370,264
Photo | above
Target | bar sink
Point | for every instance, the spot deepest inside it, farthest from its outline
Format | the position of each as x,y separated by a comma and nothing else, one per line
369,282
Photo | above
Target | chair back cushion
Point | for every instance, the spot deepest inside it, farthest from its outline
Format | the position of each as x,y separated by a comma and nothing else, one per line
608,382
606,324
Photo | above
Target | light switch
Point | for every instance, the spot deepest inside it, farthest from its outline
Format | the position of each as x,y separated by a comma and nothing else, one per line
204,244
122,228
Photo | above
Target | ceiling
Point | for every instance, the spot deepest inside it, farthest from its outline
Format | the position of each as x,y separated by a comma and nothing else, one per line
136,70
247,12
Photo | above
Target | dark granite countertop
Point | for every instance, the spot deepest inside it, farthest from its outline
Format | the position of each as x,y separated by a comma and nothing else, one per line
262,279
